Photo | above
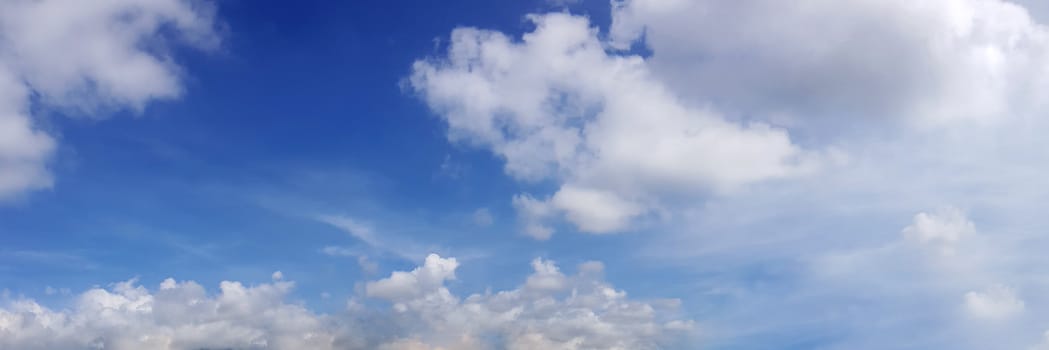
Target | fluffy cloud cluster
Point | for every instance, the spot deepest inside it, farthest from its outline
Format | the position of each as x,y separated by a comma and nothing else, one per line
713,107
550,311
84,59
996,302
557,105
178,315
942,229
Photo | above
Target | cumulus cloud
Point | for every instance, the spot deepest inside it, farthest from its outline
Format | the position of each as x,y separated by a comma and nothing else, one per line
556,104
728,94
941,229
177,315
550,311
405,286
995,303
24,149
927,63
85,59
933,102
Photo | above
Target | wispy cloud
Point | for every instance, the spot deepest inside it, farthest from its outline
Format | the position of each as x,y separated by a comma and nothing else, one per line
49,258
385,243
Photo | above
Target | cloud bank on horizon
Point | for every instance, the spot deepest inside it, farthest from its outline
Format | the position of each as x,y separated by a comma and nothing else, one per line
549,311
863,174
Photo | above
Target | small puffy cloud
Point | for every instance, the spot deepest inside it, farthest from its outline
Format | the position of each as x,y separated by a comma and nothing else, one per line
549,310
401,286
942,229
994,303
556,104
85,59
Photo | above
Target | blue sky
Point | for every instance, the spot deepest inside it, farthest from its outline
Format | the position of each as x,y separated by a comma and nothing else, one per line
523,175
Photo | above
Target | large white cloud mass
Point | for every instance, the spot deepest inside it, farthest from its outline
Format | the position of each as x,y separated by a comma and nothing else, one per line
549,311
928,62
84,58
927,103
556,104
727,95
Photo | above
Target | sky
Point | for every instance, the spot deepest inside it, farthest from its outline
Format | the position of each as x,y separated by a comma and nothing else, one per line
536,174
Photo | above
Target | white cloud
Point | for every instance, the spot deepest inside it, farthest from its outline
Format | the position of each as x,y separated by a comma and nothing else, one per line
85,59
24,150
533,213
709,110
557,105
995,303
550,311
929,62
183,316
547,277
942,229
178,315
933,101
404,286
595,211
